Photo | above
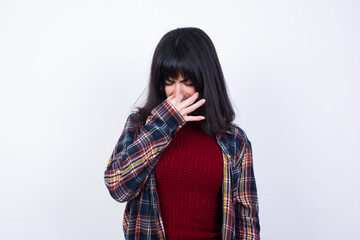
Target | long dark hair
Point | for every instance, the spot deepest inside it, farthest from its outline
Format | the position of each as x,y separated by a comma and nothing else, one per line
191,53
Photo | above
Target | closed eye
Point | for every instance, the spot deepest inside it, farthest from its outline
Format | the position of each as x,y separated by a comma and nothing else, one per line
168,82
186,81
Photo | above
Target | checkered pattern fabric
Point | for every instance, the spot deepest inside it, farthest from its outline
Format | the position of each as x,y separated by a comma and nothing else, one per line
130,178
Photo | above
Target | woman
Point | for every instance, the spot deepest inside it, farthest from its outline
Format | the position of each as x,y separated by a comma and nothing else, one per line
181,164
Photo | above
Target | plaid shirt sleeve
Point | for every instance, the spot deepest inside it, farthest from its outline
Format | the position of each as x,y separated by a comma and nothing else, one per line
246,216
137,151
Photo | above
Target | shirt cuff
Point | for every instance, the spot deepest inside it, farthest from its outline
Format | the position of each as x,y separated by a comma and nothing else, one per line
169,114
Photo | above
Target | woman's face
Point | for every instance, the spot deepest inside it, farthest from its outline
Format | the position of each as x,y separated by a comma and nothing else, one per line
179,85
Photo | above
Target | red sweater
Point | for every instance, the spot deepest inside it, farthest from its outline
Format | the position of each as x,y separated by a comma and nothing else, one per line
189,185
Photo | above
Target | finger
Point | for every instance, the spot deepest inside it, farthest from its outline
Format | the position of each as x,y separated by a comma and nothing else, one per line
171,97
178,97
193,118
193,107
175,100
189,100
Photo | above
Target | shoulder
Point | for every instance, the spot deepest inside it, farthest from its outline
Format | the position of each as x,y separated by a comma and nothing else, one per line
134,118
132,123
239,137
238,132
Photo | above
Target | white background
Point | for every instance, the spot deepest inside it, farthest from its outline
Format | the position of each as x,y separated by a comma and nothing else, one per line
71,72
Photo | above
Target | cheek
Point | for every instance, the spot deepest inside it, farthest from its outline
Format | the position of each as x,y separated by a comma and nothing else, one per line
168,91
191,90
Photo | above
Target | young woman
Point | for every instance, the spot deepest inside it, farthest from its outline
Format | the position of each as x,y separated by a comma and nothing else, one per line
182,166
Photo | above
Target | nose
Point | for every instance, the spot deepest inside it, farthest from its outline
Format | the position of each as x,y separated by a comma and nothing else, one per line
178,88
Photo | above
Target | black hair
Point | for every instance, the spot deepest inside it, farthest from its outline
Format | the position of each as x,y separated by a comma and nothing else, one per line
191,53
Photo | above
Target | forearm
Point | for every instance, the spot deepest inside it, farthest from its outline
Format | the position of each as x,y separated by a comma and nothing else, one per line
137,151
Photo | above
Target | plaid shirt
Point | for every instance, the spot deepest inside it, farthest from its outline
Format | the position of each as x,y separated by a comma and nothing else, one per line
130,178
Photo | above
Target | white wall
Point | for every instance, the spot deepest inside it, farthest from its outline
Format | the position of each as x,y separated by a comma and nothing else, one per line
71,71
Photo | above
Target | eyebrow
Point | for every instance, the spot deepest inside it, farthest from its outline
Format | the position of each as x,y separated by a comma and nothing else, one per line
180,80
